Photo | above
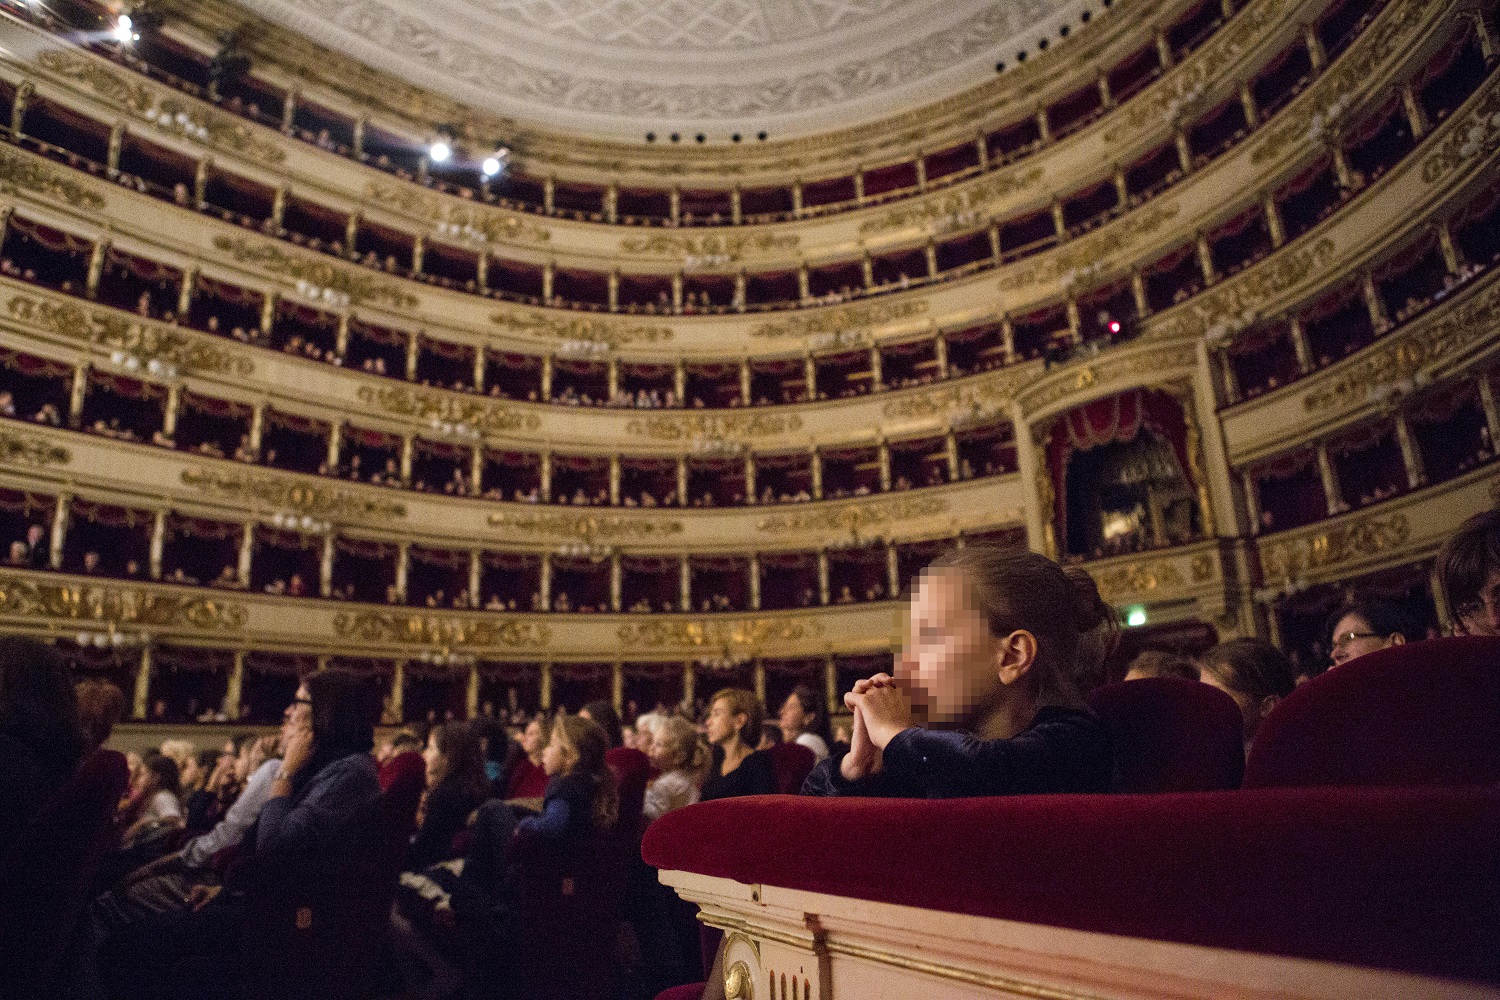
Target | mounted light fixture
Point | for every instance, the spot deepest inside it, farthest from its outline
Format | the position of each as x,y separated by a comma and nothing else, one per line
441,151
124,30
494,164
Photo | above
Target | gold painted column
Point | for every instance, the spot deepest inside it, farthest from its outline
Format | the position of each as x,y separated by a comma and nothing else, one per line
200,182
982,152
1300,345
677,292
1453,254
397,697
617,687
480,368
476,470
1008,339
950,447
679,382
1184,152
616,583
1491,411
96,267
995,255
1206,260
940,352
278,208
185,293
1416,116
142,699
408,449
877,370
675,204
158,544
687,683
1332,493
77,394
755,581
174,406
325,568
613,301
546,581
867,269
546,476
549,282
892,571
268,314
758,680
1248,106
736,210
546,393
116,143
831,685
1138,293
413,355
234,691
817,474
823,576
403,570
257,428
1374,303
471,693
59,530
614,480
1252,501
682,481
810,376
482,270
1043,126
804,286
1227,377
744,381
1164,51
18,106
884,452
612,203
930,252
1274,224
1059,220
685,583
544,696
750,485
418,253
739,290
335,445
247,550
476,576
1411,455
1315,52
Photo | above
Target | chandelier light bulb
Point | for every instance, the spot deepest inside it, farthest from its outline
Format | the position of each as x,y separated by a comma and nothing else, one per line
124,30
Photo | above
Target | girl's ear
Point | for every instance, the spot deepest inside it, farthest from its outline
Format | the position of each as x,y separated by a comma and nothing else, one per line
1014,655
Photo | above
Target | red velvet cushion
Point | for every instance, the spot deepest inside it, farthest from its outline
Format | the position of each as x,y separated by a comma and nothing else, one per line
692,991
1427,713
401,768
1172,735
1399,878
792,762
631,769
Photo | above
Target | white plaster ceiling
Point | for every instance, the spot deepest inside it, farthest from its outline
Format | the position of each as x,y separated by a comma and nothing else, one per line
621,68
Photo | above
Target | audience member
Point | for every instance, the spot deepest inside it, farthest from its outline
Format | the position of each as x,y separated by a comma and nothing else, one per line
529,778
41,741
737,768
1363,626
1469,566
680,757
1251,671
456,786
803,721
100,706
989,665
603,714
1159,663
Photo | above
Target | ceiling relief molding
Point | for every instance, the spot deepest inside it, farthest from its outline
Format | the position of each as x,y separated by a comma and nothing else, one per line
850,321
145,341
713,426
1318,110
445,408
580,328
30,450
480,224
1392,368
945,210
983,396
1085,256
727,248
1173,98
1246,293
1369,535
319,273
731,636
22,172
174,115
440,631
1111,373
858,518
325,502
118,605
1471,140
589,527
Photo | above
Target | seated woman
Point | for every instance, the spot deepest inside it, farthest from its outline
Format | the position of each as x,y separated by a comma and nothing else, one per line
803,721
735,717
456,786
984,700
680,757
528,779
1361,627
1254,673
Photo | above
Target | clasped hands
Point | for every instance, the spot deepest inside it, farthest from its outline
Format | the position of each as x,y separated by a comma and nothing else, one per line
881,709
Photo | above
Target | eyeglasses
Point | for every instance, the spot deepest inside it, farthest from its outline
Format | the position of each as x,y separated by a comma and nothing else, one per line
1344,638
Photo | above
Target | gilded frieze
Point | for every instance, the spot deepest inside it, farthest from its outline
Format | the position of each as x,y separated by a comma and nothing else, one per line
107,604
1151,576
1204,567
1087,254
712,426
855,518
429,405
1246,293
1473,138
147,342
588,527
440,631
179,116
1472,322
487,225
972,398
320,274
580,328
1369,535
970,204
855,319
1172,98
1316,111
741,635
26,449
23,173
283,494
1156,364
124,89
721,248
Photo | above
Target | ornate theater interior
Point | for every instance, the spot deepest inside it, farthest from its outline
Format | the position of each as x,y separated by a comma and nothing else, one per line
749,499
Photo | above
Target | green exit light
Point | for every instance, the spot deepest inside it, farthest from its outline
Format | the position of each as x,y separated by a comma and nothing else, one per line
1135,617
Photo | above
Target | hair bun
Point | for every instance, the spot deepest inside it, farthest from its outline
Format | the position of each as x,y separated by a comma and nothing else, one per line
1089,608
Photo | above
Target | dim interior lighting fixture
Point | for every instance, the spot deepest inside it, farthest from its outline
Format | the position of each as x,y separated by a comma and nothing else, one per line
444,658
318,293
440,151
124,31
1135,617
300,522
455,429
596,348
112,639
132,363
585,550
494,164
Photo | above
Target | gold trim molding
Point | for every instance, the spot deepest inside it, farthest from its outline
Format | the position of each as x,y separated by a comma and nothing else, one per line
118,605
23,173
589,527
439,631
580,328
145,341
733,246
359,288
980,398
855,518
975,198
713,426
852,321
1243,294
1368,535
276,491
1087,254
716,635
491,226
26,449
419,404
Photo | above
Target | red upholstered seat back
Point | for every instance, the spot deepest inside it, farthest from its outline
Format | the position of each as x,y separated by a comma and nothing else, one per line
570,896
1427,713
45,877
399,767
1172,735
792,762
632,768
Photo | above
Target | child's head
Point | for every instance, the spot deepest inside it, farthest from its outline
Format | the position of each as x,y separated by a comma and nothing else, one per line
677,747
989,626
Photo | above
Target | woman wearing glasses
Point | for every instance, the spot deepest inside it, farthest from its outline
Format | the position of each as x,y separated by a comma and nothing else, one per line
1361,627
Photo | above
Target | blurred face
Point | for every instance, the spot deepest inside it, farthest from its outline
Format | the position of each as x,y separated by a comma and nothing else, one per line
663,754
298,714
949,664
136,767
559,757
1353,637
1481,616
437,761
793,720
192,775
531,739
723,724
